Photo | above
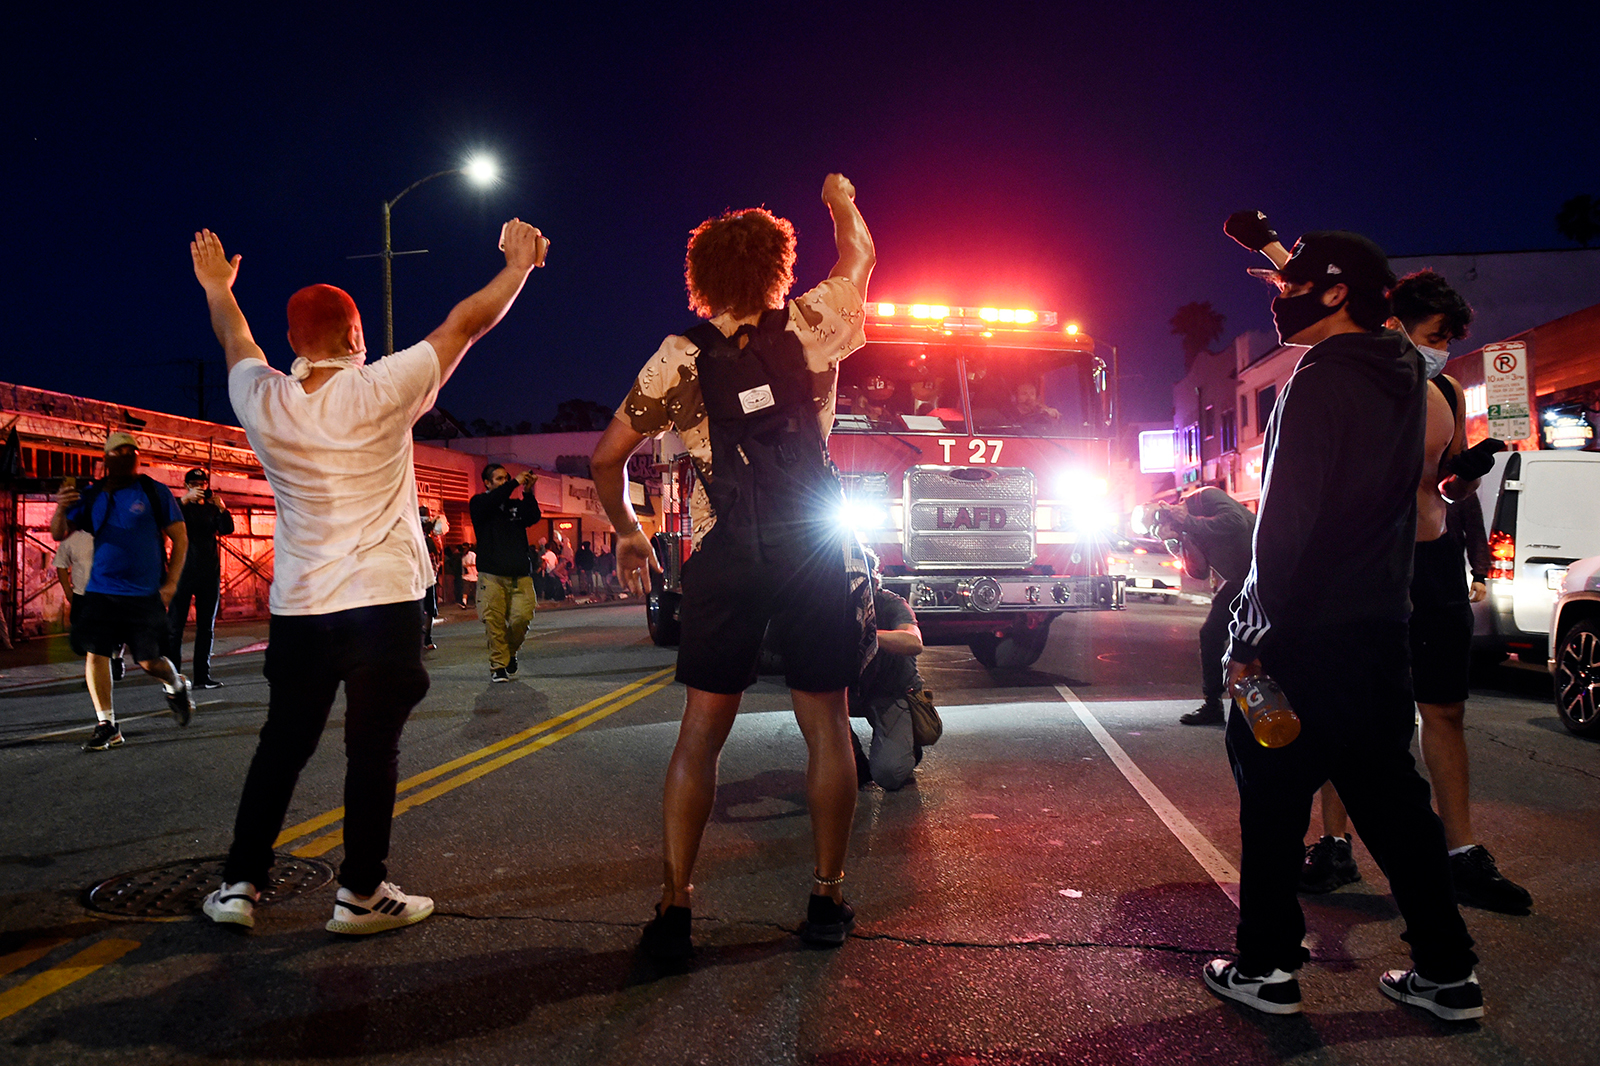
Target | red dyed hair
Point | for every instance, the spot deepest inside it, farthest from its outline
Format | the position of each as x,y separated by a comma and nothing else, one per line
319,316
741,262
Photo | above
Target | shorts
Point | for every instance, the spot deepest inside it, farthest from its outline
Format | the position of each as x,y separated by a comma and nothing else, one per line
1441,622
731,590
103,623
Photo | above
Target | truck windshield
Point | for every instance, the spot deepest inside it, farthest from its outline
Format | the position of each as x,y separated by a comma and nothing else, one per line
900,388
1029,392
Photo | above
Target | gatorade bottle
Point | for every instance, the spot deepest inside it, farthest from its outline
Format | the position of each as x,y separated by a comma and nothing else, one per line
1272,721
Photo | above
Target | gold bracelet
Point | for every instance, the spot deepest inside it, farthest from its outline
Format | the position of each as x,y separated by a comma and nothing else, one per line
828,882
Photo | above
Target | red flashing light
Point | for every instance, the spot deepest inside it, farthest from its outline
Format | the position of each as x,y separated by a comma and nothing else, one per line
1503,550
966,317
1141,551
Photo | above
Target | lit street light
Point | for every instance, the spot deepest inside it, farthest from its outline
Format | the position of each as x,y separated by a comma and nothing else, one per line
482,171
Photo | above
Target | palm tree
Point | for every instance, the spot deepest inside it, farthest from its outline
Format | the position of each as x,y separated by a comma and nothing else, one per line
1199,324
1579,219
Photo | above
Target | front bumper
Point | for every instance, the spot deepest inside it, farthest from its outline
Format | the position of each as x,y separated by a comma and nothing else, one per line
1001,594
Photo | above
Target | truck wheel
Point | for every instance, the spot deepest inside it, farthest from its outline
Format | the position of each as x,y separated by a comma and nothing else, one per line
983,648
1578,679
661,615
1019,648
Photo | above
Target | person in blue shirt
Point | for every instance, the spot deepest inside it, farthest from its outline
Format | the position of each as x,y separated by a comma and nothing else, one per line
131,517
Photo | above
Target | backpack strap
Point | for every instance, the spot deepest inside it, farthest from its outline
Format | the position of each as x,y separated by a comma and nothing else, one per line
704,337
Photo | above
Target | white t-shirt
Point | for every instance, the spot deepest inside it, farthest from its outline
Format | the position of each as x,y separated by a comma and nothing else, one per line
76,553
339,462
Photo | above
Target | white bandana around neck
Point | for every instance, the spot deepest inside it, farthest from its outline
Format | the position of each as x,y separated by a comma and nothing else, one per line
302,367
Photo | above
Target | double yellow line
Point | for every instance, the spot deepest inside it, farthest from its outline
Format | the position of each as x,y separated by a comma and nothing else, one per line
547,733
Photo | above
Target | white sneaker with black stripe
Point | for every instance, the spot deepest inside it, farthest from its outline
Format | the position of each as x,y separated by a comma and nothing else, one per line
387,908
1457,1001
233,904
1275,993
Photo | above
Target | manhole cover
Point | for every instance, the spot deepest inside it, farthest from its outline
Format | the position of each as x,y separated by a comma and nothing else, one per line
177,889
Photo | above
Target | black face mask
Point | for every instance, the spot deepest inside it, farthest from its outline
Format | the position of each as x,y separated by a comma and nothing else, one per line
121,466
1292,314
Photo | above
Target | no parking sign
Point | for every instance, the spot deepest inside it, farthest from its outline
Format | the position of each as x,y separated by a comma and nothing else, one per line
1505,381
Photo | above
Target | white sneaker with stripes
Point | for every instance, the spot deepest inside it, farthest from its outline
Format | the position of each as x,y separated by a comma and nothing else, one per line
387,908
233,904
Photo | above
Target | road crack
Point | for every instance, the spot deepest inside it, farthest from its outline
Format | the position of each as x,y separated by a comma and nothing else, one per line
1534,756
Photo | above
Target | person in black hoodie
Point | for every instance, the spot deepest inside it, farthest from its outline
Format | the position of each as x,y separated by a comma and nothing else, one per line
505,579
1323,612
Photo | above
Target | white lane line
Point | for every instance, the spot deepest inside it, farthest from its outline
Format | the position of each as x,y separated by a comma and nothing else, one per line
1205,853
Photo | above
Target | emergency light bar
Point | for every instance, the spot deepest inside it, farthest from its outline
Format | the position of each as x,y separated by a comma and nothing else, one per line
955,317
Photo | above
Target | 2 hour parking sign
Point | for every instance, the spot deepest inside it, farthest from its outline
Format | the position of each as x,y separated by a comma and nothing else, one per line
1505,380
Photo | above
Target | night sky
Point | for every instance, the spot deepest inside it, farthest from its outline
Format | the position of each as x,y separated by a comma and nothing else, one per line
1077,158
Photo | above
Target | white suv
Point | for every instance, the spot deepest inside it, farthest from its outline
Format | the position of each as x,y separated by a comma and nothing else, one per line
1542,510
1575,648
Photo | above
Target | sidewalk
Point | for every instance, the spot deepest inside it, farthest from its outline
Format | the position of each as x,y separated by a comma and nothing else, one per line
44,660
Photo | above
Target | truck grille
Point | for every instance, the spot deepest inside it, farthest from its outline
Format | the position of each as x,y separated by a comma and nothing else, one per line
976,518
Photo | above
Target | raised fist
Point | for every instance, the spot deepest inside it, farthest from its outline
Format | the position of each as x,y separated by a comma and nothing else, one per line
1251,229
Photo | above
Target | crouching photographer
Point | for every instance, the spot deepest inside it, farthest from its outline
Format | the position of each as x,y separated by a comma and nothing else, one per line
1211,532
891,696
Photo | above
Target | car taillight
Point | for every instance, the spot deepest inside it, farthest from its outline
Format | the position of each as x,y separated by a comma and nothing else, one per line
1503,551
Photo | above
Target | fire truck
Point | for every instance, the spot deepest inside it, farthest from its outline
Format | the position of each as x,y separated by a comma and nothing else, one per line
973,447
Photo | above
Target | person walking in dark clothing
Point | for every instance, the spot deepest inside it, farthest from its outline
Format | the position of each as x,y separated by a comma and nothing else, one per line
1323,613
1220,527
505,577
206,517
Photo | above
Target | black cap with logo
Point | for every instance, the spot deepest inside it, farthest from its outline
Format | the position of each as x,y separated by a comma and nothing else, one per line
1334,257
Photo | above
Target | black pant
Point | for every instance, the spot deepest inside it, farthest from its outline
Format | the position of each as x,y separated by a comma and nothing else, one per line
375,652
204,586
1351,687
1214,639
430,607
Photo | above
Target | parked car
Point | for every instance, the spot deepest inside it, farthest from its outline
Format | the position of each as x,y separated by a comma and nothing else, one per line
1150,570
1542,512
1575,648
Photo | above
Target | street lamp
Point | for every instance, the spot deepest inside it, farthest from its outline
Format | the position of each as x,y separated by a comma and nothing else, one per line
482,171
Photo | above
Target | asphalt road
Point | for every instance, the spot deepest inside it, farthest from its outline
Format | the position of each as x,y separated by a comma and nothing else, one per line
1045,892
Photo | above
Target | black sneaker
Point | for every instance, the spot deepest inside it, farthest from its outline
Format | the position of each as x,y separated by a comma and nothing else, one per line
105,735
182,702
118,668
209,682
665,941
1208,713
498,674
1459,1001
827,923
1479,883
1276,993
1329,863
511,667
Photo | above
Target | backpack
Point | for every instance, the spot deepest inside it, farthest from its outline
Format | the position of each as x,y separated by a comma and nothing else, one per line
771,482
92,494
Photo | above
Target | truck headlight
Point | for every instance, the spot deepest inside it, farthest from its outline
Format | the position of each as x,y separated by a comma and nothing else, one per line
859,515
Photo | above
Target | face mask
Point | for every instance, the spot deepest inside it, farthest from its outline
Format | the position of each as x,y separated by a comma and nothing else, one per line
1433,360
1292,314
121,465
301,368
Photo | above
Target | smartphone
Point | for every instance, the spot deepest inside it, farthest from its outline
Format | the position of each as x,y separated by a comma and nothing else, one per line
68,483
503,227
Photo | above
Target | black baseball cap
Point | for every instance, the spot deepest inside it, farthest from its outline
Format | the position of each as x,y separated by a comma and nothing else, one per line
1334,257
196,476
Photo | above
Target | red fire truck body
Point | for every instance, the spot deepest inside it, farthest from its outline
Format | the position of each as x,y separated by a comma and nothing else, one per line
973,446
